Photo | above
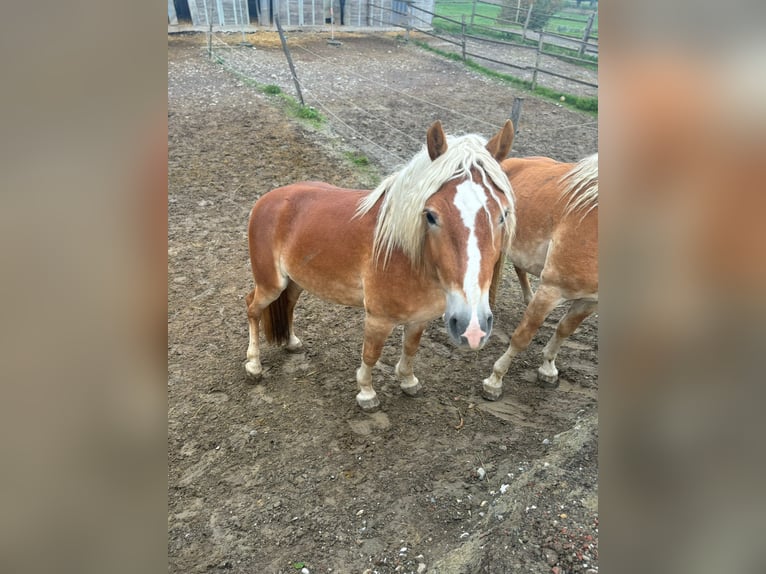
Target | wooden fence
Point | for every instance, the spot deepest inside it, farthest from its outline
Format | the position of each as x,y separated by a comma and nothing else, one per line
414,22
522,15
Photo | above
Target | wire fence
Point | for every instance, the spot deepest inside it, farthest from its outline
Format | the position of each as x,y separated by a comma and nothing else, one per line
360,104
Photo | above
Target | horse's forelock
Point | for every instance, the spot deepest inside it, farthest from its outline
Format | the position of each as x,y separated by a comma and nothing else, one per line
404,193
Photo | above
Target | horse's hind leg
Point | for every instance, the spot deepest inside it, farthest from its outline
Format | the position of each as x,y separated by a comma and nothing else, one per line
410,342
579,310
545,299
257,300
526,290
253,366
294,291
376,331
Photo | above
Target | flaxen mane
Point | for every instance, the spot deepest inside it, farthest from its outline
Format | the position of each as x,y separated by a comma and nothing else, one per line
400,221
581,191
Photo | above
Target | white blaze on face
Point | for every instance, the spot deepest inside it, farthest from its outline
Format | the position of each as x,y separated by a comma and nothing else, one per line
469,200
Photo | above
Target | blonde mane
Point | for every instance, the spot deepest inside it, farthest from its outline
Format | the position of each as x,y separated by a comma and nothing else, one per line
404,194
581,191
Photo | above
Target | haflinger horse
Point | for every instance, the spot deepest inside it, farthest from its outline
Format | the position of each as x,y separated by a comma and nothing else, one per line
556,239
427,242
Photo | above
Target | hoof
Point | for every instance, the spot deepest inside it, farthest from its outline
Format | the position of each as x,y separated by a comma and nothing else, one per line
547,381
491,392
411,390
294,347
368,403
253,371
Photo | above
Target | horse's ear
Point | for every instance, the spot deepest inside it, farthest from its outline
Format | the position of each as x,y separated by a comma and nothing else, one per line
500,145
437,141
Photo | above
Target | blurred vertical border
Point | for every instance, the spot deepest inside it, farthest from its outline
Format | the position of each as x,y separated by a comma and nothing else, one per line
83,265
683,162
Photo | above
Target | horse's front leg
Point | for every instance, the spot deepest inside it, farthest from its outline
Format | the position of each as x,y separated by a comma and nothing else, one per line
543,302
410,343
376,331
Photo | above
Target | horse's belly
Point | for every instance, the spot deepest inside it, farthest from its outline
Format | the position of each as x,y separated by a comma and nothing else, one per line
333,288
529,257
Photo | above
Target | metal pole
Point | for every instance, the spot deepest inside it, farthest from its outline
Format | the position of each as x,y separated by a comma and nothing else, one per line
537,60
462,35
209,16
289,58
516,113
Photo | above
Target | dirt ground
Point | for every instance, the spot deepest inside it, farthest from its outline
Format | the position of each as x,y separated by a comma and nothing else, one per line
289,473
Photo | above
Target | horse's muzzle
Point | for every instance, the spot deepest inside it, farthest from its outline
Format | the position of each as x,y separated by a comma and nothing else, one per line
468,327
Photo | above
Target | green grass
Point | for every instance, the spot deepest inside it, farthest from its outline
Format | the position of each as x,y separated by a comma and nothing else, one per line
359,160
569,28
271,89
486,14
291,105
584,104
486,17
364,167
296,110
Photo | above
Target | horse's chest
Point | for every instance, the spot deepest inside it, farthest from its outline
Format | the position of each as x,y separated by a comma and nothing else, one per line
407,302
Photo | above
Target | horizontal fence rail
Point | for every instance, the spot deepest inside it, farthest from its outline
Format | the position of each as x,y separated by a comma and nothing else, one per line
409,22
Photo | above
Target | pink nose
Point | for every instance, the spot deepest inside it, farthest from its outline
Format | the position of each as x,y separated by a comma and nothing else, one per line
473,333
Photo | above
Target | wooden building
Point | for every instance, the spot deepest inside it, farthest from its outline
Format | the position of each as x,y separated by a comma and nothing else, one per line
297,13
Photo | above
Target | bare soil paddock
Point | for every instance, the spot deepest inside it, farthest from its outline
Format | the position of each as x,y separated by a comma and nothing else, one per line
289,473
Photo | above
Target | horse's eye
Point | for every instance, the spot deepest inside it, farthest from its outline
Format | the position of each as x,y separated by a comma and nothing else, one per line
430,217
503,216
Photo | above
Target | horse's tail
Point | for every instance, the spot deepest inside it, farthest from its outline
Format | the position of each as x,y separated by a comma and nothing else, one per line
497,275
274,321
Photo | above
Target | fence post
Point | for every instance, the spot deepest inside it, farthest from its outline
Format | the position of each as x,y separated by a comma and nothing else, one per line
289,58
409,19
516,113
518,10
537,60
473,12
526,23
462,35
210,38
586,35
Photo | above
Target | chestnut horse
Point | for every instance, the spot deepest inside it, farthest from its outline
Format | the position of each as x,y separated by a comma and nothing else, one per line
557,240
428,241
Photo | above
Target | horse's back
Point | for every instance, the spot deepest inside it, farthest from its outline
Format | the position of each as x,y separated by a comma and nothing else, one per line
536,177
302,206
